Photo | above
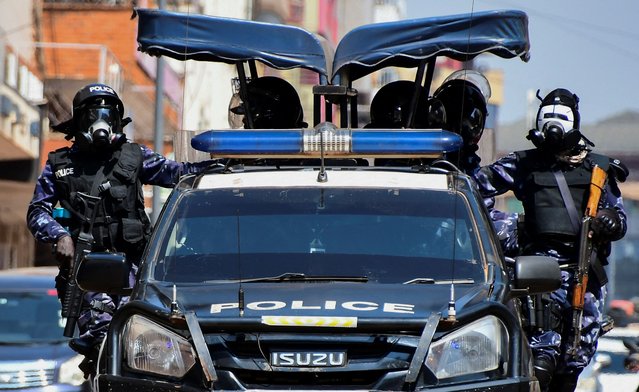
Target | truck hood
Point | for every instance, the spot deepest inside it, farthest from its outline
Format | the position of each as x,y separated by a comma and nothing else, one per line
362,300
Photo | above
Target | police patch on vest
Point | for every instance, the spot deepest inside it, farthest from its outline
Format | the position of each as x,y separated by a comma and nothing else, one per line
63,172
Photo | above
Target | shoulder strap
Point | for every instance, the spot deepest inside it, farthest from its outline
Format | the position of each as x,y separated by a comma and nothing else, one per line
528,159
99,185
55,156
132,150
601,160
567,198
98,181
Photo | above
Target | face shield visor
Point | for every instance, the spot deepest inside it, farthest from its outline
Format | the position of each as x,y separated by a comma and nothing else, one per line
472,126
473,77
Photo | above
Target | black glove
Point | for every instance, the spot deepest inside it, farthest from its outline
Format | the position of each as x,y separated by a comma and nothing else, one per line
607,225
64,251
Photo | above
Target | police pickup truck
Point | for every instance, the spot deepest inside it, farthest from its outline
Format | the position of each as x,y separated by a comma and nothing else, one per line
297,263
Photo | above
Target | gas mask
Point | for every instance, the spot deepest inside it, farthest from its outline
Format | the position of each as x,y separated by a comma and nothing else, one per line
557,126
555,129
100,126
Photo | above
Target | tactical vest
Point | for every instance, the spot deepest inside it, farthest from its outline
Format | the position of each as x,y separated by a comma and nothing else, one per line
547,222
546,212
121,223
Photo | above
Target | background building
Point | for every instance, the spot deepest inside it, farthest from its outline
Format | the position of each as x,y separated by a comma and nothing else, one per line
22,120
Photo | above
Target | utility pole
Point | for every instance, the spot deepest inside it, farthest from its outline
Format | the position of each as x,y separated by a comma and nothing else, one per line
159,124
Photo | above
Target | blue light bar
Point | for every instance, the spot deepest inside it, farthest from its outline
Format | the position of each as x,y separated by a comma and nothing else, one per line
306,143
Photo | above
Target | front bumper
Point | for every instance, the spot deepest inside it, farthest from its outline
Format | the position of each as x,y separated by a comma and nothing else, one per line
226,382
378,360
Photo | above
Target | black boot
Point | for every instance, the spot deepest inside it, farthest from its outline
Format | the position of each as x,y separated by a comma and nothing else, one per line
81,346
90,352
88,366
544,369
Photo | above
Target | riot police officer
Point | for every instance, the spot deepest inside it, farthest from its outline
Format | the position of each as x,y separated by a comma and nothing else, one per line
464,95
103,164
552,182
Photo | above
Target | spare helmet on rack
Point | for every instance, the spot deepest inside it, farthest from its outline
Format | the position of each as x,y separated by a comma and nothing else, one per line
273,104
391,105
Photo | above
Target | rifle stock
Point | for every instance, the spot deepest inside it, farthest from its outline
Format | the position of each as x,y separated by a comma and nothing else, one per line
597,182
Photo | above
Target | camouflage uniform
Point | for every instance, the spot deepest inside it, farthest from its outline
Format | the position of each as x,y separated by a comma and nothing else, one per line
156,170
504,223
509,174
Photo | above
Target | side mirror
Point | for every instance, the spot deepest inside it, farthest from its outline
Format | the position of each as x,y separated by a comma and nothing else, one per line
104,272
536,274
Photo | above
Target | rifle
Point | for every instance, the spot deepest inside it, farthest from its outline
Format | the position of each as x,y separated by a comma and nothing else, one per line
597,182
72,302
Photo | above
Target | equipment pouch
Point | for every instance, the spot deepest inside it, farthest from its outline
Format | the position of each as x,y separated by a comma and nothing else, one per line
118,194
126,168
132,230
552,314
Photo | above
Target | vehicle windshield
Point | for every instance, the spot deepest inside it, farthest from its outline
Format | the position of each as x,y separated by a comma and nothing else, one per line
382,235
30,317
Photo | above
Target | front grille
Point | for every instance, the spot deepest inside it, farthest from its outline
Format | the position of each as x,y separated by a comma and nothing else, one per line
369,358
358,380
359,346
31,374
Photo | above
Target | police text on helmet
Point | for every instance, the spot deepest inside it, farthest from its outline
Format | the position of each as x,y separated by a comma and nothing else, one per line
101,88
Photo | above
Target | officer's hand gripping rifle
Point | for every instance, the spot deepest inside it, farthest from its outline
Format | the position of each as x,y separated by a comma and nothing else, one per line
597,182
73,294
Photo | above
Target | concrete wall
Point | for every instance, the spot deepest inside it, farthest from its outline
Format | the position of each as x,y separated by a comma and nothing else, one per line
16,26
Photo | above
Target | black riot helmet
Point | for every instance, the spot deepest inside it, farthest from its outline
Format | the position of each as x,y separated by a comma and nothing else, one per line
98,116
464,94
391,105
273,104
557,123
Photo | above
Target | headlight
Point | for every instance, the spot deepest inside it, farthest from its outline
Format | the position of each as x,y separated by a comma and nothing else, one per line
478,347
152,348
70,373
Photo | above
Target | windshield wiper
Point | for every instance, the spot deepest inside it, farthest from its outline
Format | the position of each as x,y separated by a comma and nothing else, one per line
440,281
296,277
